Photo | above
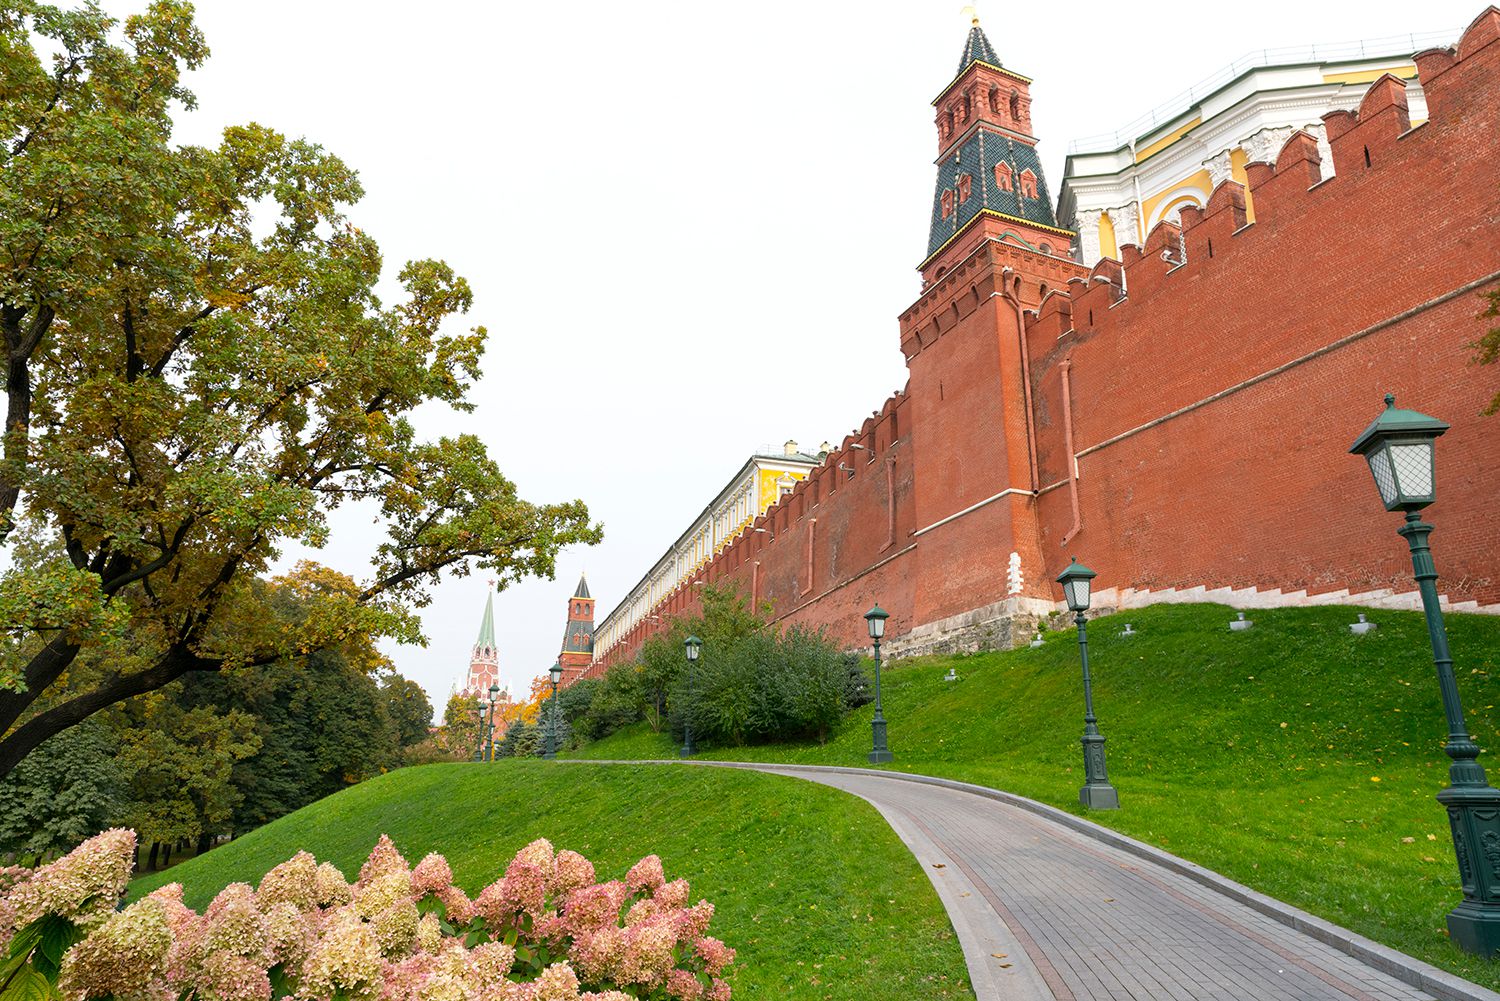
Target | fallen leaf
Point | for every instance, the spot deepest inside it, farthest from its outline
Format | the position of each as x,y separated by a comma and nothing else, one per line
939,865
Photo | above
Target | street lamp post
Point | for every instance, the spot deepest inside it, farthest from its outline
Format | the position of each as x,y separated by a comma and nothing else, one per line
1400,449
875,620
489,733
551,750
1097,793
691,646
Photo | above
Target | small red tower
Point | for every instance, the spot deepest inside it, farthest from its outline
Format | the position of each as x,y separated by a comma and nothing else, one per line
578,636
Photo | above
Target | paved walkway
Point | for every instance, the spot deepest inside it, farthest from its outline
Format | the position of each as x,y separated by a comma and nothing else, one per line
1044,911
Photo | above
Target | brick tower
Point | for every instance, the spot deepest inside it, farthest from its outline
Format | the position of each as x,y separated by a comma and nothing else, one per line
578,635
484,662
995,251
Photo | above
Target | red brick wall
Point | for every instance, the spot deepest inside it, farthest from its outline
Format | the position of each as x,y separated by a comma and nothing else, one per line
1275,339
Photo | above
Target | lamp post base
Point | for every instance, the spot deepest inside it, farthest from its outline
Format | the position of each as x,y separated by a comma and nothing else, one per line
1474,818
1099,797
879,752
688,750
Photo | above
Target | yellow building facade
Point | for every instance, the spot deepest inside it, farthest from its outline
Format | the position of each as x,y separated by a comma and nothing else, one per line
764,478
1117,187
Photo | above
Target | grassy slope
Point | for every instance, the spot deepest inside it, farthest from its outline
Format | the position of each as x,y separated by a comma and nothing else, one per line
814,890
1294,757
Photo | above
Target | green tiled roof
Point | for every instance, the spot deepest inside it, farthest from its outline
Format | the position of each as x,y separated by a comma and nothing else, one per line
487,626
583,587
978,156
978,48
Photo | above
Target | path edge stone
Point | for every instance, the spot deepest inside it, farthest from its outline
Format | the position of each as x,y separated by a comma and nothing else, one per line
1407,969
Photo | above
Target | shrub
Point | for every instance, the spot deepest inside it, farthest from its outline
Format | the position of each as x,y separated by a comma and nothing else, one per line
544,930
766,687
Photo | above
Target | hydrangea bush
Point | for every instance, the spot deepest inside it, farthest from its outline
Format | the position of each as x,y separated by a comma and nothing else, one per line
545,931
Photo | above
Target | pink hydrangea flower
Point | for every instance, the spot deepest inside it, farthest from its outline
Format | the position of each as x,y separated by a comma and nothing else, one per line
294,881
692,923
672,895
684,986
717,991
558,982
333,888
432,875
715,955
645,875
571,871
84,885
125,955
383,861
589,907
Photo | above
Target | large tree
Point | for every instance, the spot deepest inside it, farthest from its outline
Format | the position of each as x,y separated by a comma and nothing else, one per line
198,372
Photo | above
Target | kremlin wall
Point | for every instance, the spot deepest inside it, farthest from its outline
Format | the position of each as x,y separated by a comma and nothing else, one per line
1179,419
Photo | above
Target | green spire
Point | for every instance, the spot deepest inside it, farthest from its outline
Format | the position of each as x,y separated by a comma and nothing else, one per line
487,627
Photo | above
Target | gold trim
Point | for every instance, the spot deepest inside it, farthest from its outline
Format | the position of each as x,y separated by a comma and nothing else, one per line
994,215
998,69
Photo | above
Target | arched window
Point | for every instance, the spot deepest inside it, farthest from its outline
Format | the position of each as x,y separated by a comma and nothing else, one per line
964,186
1015,106
947,202
1003,176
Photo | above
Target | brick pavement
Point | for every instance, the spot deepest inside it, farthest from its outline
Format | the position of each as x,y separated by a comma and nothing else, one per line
1048,913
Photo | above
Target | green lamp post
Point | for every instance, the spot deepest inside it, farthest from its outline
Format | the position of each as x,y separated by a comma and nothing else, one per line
691,646
875,620
1400,447
551,746
489,733
479,736
1097,793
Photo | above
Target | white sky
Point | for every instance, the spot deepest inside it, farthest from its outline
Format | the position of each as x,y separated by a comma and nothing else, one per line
689,227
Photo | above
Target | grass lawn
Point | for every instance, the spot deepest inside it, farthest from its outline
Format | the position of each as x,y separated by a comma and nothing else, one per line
809,884
1294,757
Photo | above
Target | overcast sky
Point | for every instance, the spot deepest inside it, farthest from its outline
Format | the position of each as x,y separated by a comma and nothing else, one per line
689,227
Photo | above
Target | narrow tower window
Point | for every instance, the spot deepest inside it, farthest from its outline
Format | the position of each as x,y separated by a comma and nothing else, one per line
964,186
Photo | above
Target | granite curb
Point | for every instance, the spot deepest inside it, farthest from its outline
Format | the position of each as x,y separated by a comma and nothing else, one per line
1407,969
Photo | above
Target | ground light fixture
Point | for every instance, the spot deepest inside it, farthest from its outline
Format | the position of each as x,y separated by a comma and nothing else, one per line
879,752
1400,449
551,750
690,647
1097,793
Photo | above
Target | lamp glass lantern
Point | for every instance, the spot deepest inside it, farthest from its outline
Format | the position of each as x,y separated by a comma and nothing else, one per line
691,646
1076,585
1398,445
494,692
875,619
556,671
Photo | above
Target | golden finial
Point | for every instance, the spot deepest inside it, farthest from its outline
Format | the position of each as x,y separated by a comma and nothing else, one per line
973,15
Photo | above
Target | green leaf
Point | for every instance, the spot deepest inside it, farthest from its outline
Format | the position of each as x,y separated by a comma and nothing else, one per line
58,935
28,985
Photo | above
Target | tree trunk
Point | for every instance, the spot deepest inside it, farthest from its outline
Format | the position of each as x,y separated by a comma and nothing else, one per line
166,856
155,851
205,842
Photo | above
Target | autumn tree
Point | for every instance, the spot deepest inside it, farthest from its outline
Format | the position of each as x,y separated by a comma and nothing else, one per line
198,371
460,733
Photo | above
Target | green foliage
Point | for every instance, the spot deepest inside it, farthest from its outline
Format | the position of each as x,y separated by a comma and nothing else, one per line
459,735
764,687
522,740
185,397
725,619
408,708
68,790
323,722
616,703
1487,348
178,765
1275,733
797,872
